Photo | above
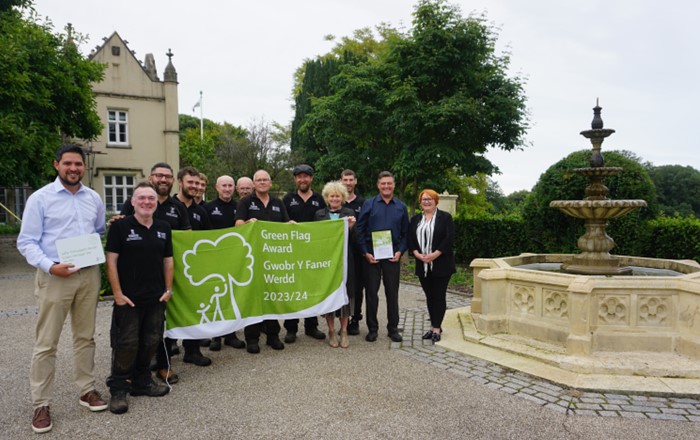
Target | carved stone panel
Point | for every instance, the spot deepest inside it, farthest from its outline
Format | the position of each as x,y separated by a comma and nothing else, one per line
655,311
524,299
613,310
556,304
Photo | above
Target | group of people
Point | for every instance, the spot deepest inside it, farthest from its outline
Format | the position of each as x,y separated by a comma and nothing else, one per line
139,263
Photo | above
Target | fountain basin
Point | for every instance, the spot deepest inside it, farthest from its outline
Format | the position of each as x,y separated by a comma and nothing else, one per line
597,209
586,315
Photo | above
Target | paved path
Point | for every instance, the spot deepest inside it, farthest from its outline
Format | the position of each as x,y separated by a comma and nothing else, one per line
380,390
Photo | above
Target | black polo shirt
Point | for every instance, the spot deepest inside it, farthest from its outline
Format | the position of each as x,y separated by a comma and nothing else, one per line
221,214
251,207
199,220
171,211
300,210
356,205
141,252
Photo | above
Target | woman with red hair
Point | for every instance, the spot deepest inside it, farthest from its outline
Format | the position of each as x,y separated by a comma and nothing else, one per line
430,238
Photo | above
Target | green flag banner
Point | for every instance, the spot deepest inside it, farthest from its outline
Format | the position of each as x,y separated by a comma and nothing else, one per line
226,279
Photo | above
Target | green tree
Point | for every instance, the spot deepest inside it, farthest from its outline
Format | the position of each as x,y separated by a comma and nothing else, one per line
236,151
553,231
436,99
678,189
45,93
313,81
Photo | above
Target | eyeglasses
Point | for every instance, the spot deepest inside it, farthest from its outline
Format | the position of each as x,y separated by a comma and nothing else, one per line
426,200
162,176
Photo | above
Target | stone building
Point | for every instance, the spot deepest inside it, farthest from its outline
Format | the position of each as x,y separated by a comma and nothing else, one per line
139,112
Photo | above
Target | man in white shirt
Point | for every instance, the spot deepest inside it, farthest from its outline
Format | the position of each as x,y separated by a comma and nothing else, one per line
62,209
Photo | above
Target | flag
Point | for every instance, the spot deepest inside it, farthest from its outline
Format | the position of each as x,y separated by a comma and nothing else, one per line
227,279
199,103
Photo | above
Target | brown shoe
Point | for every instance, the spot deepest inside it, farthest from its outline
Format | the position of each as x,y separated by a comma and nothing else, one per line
167,376
93,401
41,422
344,340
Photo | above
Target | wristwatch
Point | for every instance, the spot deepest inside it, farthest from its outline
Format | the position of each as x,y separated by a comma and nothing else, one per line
169,291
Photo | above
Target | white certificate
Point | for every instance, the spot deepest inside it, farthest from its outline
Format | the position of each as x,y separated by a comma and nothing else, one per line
382,246
81,251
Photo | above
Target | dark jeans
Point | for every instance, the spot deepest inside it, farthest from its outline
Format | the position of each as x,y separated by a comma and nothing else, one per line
374,274
435,289
164,353
292,325
358,286
271,329
135,334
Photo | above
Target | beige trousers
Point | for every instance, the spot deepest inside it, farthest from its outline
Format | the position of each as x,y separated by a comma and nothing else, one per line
56,297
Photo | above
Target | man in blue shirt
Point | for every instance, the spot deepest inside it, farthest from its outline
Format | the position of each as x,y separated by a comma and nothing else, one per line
62,209
383,212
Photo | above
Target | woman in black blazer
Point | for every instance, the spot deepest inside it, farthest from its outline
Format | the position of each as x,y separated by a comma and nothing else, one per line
335,194
430,239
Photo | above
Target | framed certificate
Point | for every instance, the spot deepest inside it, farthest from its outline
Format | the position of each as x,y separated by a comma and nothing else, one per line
382,247
81,251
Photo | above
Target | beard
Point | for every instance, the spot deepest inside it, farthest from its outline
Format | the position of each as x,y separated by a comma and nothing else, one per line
163,190
68,182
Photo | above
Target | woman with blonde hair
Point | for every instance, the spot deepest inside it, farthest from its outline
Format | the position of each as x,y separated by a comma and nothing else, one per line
334,193
430,239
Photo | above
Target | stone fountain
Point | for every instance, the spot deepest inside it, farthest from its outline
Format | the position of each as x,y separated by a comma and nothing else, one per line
591,314
596,209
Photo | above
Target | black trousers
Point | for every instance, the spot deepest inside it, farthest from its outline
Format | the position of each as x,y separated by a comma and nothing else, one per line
358,286
271,329
292,325
135,335
435,289
388,272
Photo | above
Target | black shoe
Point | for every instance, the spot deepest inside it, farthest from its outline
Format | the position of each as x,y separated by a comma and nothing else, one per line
315,333
275,343
290,338
428,335
197,358
395,336
371,337
233,341
174,349
354,327
152,390
205,342
252,347
118,403
215,344
437,336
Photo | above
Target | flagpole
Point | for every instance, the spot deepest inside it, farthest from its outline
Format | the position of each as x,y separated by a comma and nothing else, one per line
201,117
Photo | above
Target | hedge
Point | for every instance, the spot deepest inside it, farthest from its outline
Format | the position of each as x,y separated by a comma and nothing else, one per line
495,236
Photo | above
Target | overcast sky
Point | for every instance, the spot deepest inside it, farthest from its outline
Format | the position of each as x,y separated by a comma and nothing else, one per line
639,57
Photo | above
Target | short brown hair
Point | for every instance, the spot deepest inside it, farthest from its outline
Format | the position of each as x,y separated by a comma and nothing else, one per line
430,193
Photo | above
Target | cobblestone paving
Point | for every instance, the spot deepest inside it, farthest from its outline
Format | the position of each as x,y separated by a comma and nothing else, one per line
557,398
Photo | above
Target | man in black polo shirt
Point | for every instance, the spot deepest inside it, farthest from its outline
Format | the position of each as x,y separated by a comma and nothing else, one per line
302,206
169,209
260,205
175,214
188,180
354,202
140,270
222,214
